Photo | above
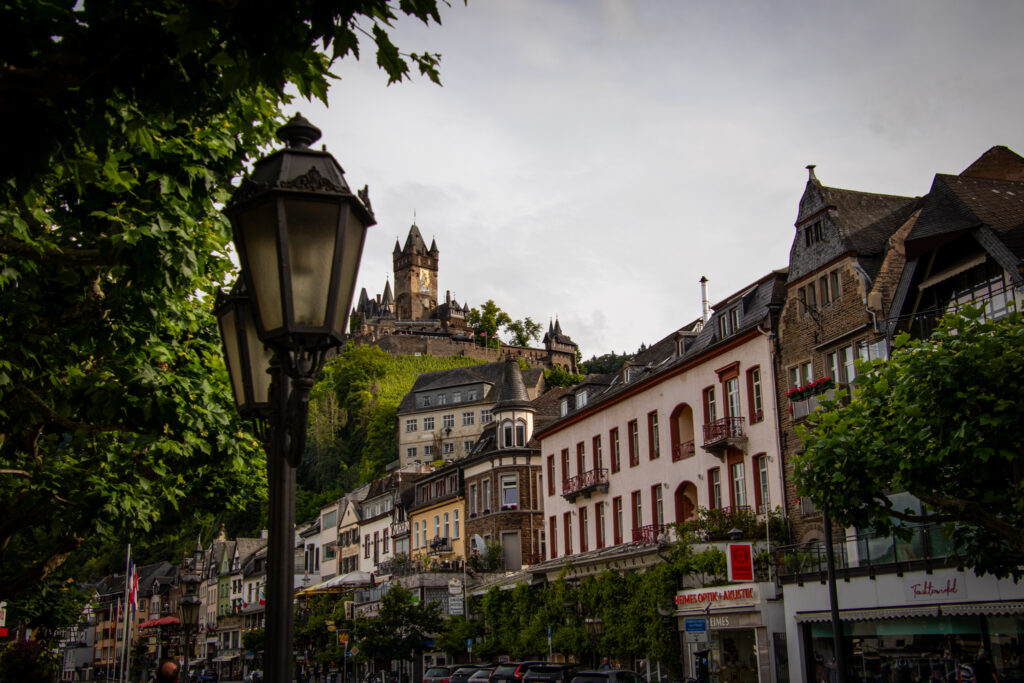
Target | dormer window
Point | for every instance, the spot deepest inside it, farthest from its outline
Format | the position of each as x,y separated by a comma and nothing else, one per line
812,233
442,399
425,401
581,399
563,407
729,322
513,434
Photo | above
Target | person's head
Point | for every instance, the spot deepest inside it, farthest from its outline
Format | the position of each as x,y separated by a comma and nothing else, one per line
167,671
605,660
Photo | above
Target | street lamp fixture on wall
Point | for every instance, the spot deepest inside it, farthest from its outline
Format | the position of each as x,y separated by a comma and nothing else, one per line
299,233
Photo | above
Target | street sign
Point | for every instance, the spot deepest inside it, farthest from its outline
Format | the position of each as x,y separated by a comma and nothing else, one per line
696,629
455,606
454,586
344,637
695,624
354,651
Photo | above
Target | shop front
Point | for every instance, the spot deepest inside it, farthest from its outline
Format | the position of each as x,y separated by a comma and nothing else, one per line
914,627
744,633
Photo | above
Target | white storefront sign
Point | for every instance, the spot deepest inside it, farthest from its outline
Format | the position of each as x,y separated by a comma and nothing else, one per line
736,595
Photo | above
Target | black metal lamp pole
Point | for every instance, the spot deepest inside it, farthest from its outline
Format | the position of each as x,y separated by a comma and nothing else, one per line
833,601
299,232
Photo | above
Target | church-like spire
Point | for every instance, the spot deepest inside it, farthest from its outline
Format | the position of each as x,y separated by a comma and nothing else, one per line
414,243
433,248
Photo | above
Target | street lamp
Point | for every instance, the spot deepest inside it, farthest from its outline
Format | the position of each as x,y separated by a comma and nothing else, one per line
188,606
299,232
595,629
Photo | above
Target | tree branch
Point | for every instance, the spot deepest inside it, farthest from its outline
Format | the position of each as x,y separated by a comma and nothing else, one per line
56,256
42,569
970,511
64,422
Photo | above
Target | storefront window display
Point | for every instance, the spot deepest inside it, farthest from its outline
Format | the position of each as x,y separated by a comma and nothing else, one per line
921,648
734,656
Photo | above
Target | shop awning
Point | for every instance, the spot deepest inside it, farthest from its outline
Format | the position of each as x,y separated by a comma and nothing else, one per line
912,611
162,621
225,658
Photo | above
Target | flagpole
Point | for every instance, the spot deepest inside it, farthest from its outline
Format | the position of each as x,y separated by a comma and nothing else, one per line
124,629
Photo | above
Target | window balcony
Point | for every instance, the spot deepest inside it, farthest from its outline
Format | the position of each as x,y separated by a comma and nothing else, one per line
682,451
866,554
585,484
724,433
440,546
649,534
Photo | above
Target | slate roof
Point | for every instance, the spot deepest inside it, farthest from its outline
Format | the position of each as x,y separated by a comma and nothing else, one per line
662,358
866,220
975,199
247,547
512,394
488,373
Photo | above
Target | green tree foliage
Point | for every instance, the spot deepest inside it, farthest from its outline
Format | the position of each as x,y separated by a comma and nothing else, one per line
940,420
523,331
454,634
400,629
609,362
127,123
489,319
559,377
353,417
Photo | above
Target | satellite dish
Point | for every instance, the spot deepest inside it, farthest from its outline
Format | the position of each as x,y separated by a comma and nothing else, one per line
477,543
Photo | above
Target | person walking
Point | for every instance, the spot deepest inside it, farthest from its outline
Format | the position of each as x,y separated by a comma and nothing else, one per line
167,671
984,672
605,664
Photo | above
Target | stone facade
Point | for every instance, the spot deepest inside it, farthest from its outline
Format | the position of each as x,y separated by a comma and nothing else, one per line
845,263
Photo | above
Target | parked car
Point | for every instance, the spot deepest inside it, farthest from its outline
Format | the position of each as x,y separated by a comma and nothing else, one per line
482,675
462,674
607,676
440,674
208,676
511,672
550,673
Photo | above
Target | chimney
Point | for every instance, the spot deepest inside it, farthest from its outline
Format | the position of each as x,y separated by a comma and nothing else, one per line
705,304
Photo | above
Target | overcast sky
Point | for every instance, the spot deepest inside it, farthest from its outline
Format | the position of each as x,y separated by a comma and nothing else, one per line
592,160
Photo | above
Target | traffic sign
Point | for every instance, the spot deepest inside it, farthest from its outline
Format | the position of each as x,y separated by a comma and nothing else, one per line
695,624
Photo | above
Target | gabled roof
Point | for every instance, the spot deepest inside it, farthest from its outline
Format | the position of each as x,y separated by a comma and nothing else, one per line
662,357
975,199
491,374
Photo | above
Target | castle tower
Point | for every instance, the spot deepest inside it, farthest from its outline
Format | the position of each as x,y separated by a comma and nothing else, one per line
415,277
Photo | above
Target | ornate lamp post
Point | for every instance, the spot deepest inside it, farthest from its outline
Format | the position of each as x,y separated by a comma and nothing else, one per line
299,232
188,606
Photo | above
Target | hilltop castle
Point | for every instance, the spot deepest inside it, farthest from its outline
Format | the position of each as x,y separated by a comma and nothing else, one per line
410,320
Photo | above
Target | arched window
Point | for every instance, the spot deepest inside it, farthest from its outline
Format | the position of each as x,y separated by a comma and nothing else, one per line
506,431
520,433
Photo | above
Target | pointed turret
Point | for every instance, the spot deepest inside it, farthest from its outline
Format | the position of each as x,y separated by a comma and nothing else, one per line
433,248
388,298
397,251
414,243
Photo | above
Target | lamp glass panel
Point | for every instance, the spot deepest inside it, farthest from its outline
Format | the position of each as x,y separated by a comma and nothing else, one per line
312,232
352,251
229,333
257,228
259,358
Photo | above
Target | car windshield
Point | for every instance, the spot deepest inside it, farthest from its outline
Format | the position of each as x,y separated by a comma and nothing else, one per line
437,672
482,674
